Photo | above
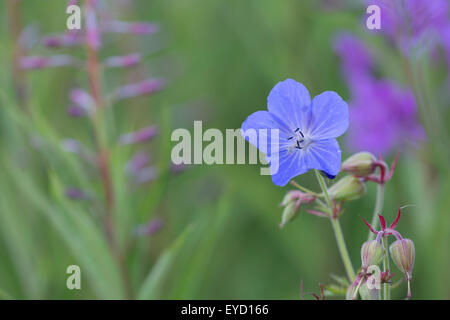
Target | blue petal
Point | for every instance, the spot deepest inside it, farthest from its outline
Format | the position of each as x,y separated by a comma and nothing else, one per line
329,176
263,120
290,103
325,155
290,165
322,155
329,116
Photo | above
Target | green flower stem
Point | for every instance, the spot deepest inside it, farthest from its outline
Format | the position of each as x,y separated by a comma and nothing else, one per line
301,188
387,286
337,231
378,209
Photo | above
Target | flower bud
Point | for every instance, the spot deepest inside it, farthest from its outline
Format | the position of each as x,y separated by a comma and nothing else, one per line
347,188
402,252
360,164
371,253
289,213
291,202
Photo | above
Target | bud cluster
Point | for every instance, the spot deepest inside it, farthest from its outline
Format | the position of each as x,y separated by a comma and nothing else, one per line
401,251
360,168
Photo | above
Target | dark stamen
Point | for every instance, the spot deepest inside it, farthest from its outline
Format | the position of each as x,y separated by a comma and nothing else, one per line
297,130
302,135
290,138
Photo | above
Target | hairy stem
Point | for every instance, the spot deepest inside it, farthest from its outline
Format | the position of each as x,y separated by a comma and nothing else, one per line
378,209
337,231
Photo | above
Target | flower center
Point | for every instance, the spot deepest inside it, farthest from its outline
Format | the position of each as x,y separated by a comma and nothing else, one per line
299,140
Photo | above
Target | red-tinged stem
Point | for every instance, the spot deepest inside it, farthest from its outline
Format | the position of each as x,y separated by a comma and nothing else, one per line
103,159
15,26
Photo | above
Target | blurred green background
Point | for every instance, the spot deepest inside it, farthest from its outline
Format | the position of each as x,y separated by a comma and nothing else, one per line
220,238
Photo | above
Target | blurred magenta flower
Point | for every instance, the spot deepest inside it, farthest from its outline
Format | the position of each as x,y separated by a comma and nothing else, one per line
76,194
92,29
82,99
139,136
150,228
62,40
123,61
145,87
383,115
413,24
356,58
40,62
307,130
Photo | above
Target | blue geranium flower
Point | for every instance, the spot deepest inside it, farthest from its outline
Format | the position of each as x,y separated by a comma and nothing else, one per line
306,131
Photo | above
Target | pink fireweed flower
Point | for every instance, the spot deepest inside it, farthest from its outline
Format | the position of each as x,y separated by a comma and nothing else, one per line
41,62
137,28
126,61
139,136
82,99
77,194
413,24
92,29
145,87
137,162
150,228
76,111
377,105
62,40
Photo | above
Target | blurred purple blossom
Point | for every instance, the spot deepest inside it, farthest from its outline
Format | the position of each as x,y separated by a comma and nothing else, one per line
74,146
92,29
413,24
141,135
146,174
149,228
29,37
76,111
62,40
123,61
76,194
138,168
82,99
137,162
71,145
356,58
40,62
383,115
178,168
138,89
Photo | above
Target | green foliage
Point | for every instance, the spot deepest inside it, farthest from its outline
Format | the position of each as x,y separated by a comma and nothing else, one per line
220,237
